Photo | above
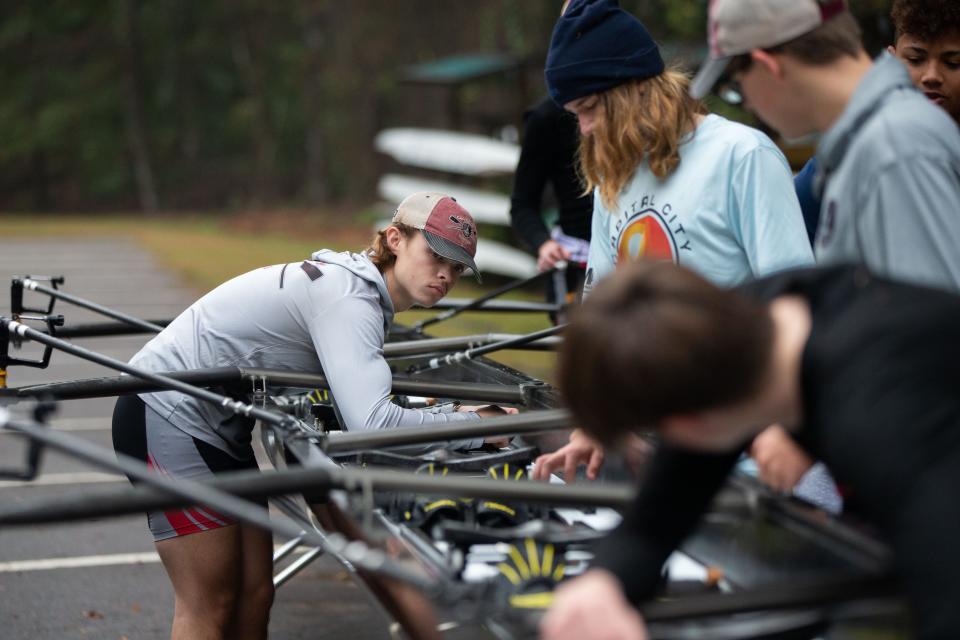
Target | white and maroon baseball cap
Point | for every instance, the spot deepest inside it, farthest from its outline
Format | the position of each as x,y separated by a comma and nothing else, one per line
448,228
735,27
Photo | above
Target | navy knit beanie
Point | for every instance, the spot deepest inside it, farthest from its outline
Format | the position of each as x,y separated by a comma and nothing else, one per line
596,46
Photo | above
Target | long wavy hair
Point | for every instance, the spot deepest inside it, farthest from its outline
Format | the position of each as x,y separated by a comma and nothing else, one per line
640,121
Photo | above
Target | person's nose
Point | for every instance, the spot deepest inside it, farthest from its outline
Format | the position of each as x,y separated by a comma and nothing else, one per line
931,75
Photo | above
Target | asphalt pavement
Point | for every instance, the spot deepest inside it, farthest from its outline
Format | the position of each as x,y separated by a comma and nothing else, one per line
101,578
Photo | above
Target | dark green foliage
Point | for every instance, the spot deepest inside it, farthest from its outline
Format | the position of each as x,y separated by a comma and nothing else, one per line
166,104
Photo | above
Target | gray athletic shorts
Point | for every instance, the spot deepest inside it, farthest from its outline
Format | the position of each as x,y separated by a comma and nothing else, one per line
141,432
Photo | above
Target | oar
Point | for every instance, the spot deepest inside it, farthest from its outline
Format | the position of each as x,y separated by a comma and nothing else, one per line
460,356
33,285
478,302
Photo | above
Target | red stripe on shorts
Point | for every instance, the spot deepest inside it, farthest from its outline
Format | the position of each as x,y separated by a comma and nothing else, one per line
210,518
178,518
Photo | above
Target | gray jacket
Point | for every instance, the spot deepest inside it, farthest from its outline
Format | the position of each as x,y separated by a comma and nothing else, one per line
327,315
891,170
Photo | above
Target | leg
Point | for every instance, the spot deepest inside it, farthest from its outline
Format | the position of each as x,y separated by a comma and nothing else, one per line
256,584
202,550
406,605
205,569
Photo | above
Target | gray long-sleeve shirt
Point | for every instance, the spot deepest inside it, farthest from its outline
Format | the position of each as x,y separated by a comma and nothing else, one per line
891,170
328,315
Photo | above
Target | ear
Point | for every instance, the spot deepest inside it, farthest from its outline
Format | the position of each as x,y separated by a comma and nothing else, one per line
768,61
394,238
892,50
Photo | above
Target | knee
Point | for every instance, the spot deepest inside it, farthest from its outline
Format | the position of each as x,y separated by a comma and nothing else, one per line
222,603
215,609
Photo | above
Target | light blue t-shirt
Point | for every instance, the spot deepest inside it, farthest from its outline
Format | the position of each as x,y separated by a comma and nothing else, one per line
729,211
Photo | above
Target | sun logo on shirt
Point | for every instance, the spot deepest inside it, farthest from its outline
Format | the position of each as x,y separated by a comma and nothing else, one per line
646,237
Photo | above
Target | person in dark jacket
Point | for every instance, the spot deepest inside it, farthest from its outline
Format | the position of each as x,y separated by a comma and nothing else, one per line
548,156
859,370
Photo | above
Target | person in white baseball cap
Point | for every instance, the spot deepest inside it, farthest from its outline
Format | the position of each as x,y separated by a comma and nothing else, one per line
888,160
887,166
737,27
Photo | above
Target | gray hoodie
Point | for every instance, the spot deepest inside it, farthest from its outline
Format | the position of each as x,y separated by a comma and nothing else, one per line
329,314
891,166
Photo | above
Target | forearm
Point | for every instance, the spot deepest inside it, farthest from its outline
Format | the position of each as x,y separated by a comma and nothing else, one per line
674,494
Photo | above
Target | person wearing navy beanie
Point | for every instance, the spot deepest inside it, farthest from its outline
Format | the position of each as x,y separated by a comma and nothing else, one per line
671,182
596,46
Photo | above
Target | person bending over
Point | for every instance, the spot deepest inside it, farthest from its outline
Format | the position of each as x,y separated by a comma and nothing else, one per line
670,181
328,314
861,371
888,161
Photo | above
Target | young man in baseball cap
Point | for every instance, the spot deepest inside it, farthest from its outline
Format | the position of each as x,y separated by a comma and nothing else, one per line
329,313
449,230
888,159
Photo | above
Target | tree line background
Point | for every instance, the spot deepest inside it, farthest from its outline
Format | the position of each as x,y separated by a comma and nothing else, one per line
172,104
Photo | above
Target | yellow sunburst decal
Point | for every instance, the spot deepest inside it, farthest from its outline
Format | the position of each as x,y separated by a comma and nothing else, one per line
532,561
531,565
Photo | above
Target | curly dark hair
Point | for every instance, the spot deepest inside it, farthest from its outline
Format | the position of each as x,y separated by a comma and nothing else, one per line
925,19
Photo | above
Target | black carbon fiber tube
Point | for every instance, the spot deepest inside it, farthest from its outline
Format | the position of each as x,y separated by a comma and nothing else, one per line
33,285
453,358
161,382
125,385
101,329
529,422
118,502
